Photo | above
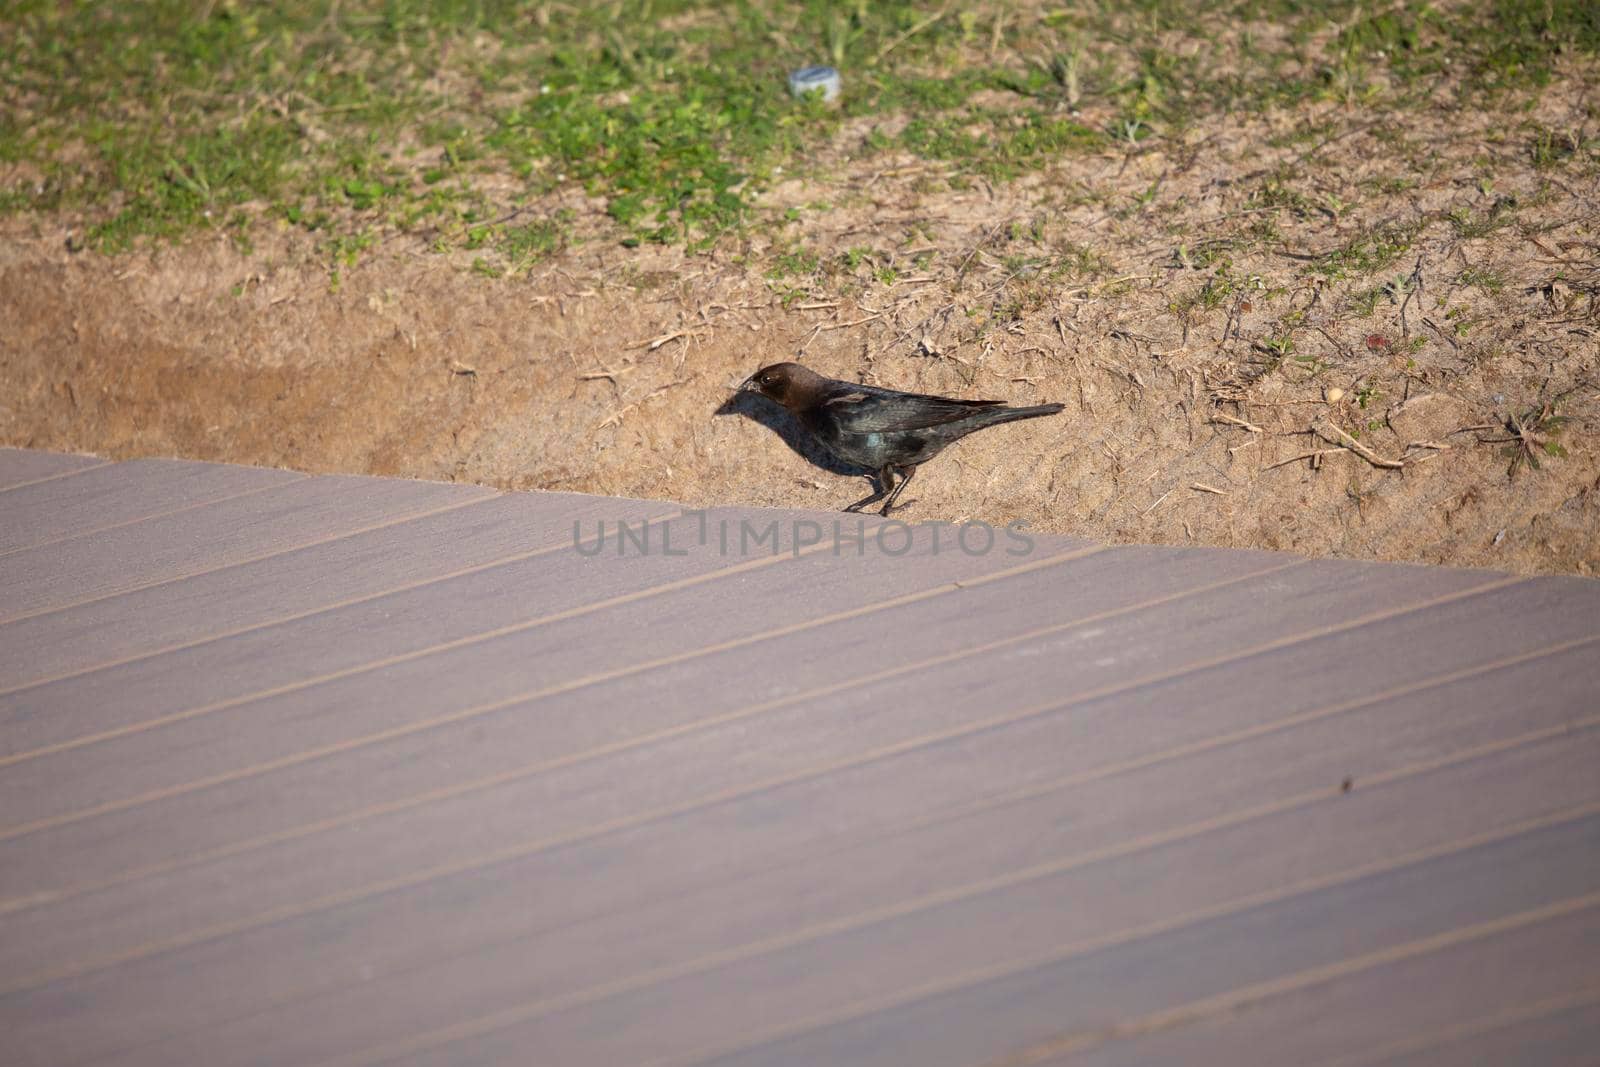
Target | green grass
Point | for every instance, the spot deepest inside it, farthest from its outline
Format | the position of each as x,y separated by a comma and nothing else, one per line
1368,252
159,119
1488,281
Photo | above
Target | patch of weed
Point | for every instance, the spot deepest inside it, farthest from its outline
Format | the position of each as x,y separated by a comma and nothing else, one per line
793,262
1470,224
1530,435
995,144
1482,278
1368,252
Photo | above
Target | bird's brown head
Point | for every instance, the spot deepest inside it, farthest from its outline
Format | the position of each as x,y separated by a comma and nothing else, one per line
787,383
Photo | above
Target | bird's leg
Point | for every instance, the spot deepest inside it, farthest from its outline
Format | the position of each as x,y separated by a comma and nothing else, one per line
905,477
880,484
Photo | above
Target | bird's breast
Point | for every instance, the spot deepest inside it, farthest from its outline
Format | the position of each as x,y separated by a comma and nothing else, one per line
862,449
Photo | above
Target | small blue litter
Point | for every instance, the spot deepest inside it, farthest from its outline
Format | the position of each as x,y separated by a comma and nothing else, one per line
810,79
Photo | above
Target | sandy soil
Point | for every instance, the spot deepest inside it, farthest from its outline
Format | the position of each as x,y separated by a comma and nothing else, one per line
1377,431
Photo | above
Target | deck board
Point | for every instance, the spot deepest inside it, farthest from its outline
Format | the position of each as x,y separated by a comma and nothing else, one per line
617,611
228,533
1367,1010
302,770
1561,1032
1081,999
100,498
1108,861
299,583
20,466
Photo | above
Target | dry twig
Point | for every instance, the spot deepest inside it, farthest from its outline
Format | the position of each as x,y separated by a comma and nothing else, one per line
1305,455
1159,499
1335,436
1231,421
656,342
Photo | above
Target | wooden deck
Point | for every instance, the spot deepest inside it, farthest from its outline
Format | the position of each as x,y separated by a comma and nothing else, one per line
333,770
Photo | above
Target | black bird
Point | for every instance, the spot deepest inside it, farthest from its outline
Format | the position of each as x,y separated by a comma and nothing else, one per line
885,430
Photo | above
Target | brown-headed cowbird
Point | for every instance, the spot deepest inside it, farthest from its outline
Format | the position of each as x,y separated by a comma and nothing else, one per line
884,430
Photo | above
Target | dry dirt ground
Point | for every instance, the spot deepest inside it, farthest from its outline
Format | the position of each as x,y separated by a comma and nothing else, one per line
1428,394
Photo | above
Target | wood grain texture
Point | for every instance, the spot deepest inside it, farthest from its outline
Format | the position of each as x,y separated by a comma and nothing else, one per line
351,771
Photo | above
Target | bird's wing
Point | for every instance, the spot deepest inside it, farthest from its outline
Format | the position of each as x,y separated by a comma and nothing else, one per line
864,409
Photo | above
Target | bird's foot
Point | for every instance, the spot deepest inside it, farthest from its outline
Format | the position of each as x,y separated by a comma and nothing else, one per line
872,498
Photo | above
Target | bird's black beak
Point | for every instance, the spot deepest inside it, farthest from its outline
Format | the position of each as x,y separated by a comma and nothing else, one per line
749,385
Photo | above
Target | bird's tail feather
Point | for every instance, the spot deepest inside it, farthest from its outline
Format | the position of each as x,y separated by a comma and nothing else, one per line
996,416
